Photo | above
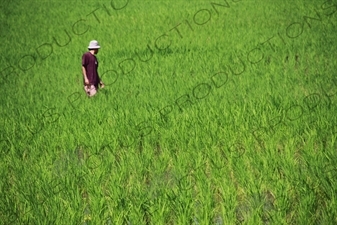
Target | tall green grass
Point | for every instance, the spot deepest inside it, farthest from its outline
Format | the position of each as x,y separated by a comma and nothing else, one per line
227,122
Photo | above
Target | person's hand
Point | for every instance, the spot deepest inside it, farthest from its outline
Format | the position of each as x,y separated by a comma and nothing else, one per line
86,81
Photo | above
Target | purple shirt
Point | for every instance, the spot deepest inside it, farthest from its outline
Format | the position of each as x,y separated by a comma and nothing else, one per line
90,63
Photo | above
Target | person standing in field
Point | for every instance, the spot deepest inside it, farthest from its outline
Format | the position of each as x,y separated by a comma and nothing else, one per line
91,78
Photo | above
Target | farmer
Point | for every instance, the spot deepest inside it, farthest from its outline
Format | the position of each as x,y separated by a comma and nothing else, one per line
91,79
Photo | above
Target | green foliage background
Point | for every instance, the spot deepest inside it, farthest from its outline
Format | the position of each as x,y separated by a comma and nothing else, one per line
231,118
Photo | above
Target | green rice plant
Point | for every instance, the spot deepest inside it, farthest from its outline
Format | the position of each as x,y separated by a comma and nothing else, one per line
216,112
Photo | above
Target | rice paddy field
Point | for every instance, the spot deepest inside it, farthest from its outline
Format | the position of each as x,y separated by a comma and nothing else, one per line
214,112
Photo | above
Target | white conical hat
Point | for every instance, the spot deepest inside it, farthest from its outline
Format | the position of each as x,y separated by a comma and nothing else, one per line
94,45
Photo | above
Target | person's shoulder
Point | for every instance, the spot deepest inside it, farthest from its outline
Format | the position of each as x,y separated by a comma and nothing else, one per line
86,55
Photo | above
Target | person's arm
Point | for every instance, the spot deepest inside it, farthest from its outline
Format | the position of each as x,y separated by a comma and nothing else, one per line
86,81
101,83
84,71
